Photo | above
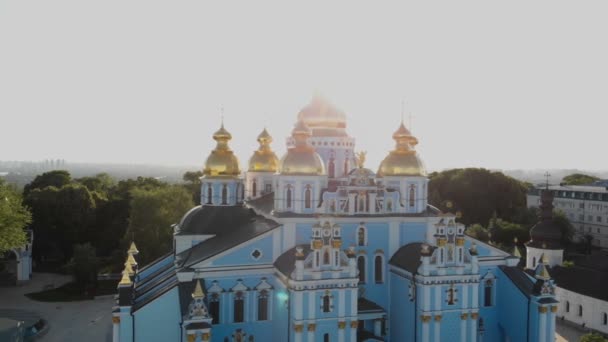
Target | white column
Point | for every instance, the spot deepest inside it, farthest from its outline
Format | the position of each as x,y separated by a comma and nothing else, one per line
475,299
473,333
353,334
437,325
115,330
372,203
297,305
297,336
551,324
311,335
425,331
312,296
377,327
351,204
542,324
341,335
463,328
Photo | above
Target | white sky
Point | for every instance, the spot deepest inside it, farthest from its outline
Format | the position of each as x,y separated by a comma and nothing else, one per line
512,84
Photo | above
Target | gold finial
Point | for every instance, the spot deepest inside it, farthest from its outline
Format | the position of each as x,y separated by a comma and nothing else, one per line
198,290
544,259
516,252
542,272
125,278
133,249
131,260
515,240
361,158
129,268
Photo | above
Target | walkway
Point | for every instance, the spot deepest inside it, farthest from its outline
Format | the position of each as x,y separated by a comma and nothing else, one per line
88,320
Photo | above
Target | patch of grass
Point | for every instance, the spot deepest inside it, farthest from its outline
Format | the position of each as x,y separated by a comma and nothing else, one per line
70,292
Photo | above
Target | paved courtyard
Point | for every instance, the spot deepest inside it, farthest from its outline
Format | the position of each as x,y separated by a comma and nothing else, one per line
68,321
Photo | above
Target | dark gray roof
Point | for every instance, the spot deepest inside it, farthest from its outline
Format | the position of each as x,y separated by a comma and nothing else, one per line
523,282
408,257
231,226
199,325
286,262
158,288
365,305
264,203
586,281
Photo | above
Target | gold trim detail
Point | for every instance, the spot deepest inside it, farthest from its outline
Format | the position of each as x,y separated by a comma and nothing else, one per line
317,244
441,242
298,328
191,338
425,318
459,241
336,243
474,315
205,336
554,308
354,324
312,327
464,316
341,325
437,318
542,309
115,319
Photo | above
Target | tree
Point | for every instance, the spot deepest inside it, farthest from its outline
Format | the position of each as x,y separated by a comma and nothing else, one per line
593,337
56,178
84,265
504,232
193,184
101,182
478,232
477,194
153,212
579,179
14,217
565,227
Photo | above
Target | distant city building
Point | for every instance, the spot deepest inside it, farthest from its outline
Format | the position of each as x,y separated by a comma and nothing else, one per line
581,287
586,207
317,247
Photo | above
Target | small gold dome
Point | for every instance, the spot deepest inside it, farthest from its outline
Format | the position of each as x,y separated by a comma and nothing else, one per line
320,113
302,159
264,159
403,160
222,162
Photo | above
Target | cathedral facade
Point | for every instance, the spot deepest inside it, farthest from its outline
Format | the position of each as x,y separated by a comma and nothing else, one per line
316,247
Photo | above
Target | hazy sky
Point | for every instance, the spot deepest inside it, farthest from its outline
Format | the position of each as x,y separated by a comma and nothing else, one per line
512,84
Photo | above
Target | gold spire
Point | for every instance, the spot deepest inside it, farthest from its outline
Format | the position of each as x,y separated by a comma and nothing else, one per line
302,159
361,156
264,159
198,290
133,249
542,272
125,278
403,160
128,268
516,252
544,259
131,260
222,162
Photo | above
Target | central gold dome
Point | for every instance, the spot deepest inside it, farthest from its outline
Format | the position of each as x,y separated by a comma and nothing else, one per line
403,160
264,159
320,113
221,162
302,159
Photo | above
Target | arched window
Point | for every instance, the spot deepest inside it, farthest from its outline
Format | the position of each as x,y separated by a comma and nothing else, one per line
209,193
332,205
326,257
326,303
378,269
254,188
487,294
361,236
263,306
389,205
533,262
288,200
580,310
361,203
326,338
605,321
412,196
239,307
361,267
567,306
451,292
441,255
224,194
346,166
332,168
336,258
307,198
214,308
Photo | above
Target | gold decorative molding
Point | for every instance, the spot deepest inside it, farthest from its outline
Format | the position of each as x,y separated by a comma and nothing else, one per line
464,316
459,241
191,337
116,319
354,324
361,251
554,308
441,242
379,251
298,328
437,318
425,318
205,336
542,309
317,244
312,327
474,315
336,243
341,325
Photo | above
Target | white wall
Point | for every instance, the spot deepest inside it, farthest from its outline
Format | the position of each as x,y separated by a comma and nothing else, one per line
593,309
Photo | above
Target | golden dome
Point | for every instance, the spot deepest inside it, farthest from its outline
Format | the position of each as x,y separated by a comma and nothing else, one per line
302,159
222,162
403,160
320,113
264,159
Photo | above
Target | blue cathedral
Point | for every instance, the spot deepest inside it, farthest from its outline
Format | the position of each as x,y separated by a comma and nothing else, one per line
316,247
